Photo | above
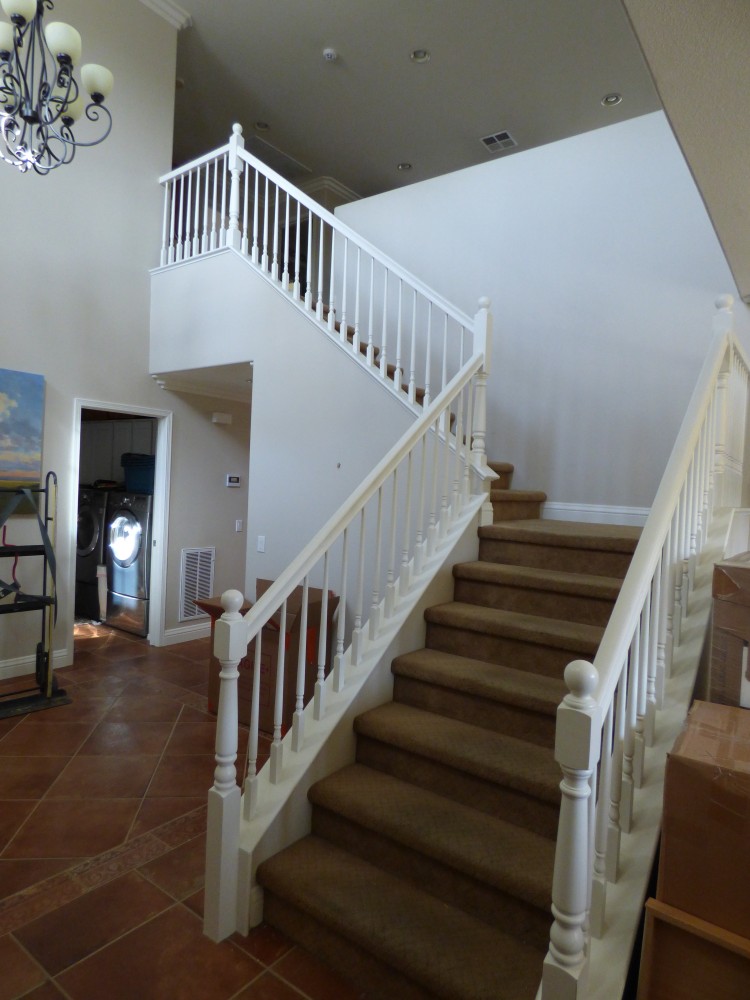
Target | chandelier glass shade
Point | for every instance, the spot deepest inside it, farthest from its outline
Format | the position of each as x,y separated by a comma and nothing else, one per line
40,98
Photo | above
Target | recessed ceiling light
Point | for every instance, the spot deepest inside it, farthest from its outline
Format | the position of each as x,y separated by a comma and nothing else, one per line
419,55
261,126
610,100
403,166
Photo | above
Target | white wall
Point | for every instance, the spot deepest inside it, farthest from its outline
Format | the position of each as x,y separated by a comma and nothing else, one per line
602,268
319,422
75,287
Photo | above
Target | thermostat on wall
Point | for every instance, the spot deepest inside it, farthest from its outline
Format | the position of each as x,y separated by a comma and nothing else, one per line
233,480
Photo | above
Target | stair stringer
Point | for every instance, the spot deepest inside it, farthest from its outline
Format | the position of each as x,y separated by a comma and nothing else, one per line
285,812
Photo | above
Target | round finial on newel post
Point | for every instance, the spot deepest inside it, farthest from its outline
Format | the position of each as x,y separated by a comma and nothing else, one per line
724,301
231,601
484,302
582,679
237,128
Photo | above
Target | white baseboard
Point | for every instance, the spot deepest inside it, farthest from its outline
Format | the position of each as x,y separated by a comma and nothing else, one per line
19,666
594,514
186,633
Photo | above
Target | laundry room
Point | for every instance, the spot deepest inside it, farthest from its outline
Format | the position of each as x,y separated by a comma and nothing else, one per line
115,505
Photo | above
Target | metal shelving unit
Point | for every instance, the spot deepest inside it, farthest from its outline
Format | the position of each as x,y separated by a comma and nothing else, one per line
41,501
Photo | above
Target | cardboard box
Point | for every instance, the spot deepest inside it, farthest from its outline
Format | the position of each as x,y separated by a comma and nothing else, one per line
269,657
730,632
703,861
684,958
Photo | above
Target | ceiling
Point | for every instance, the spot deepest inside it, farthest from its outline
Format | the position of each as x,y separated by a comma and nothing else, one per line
537,69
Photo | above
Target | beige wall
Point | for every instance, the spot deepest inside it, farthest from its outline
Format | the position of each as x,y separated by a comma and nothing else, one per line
697,51
75,286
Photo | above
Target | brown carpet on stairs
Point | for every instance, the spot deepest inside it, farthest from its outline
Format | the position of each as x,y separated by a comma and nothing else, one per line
429,867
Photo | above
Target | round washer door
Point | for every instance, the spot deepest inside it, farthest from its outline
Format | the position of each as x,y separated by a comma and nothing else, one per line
124,538
87,533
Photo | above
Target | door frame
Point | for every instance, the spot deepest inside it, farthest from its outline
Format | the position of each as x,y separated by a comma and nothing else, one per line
160,510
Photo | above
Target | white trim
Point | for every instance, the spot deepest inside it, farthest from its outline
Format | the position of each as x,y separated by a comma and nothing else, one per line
21,665
595,514
159,513
185,633
175,15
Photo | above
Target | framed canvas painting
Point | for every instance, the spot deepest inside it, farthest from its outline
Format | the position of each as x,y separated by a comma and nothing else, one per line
21,426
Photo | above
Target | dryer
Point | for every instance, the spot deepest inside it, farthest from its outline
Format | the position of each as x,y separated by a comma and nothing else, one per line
128,559
90,533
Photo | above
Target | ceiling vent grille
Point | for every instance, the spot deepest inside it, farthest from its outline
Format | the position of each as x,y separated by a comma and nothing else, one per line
196,581
499,142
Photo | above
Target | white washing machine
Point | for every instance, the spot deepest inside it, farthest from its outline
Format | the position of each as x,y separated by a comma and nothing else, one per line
92,505
128,559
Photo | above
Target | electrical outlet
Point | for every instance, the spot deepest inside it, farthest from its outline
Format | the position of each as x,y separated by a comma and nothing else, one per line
261,543
238,524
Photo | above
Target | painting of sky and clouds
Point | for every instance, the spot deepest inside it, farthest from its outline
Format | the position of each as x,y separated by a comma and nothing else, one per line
21,419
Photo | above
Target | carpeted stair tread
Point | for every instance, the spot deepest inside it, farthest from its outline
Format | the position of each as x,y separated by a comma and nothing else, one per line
403,926
512,859
492,756
502,468
522,496
530,691
535,629
533,578
566,534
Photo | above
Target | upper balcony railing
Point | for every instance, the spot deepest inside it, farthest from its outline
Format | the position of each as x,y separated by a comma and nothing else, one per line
411,338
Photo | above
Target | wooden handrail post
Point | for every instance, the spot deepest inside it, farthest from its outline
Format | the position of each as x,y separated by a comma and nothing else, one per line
223,820
236,142
577,750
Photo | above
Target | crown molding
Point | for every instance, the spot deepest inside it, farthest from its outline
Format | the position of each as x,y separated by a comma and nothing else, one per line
175,15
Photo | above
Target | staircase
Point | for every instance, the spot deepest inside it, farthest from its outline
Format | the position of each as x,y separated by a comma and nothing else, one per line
428,871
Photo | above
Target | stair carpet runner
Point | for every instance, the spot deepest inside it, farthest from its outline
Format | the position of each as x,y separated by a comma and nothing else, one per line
428,871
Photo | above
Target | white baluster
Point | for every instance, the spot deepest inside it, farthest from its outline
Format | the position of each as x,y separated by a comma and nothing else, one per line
358,635
187,250
628,776
164,257
223,819
433,529
649,732
339,675
343,331
614,827
180,238
256,204
320,706
264,255
308,262
371,316
319,304
285,266
332,285
357,284
662,662
482,345
428,360
390,582
384,332
197,219
215,207
404,577
377,608
223,219
577,745
420,542
298,731
205,235
297,258
245,210
413,355
398,371
250,797
599,879
275,263
639,749
277,750
172,255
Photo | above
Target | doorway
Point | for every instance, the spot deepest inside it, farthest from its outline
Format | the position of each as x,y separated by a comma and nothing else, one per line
121,503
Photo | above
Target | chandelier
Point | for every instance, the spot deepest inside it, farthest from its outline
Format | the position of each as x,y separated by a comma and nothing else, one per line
40,99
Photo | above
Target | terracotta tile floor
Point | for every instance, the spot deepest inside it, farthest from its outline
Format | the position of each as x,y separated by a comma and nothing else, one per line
102,840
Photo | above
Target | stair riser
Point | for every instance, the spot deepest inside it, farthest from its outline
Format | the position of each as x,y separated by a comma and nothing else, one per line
548,660
360,967
498,716
499,909
547,603
573,560
469,789
516,510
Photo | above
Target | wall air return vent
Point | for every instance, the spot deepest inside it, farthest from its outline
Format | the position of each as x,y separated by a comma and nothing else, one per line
499,142
196,581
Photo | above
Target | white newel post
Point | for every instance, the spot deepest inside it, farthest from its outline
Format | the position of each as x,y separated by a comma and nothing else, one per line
577,749
236,142
223,820
482,345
